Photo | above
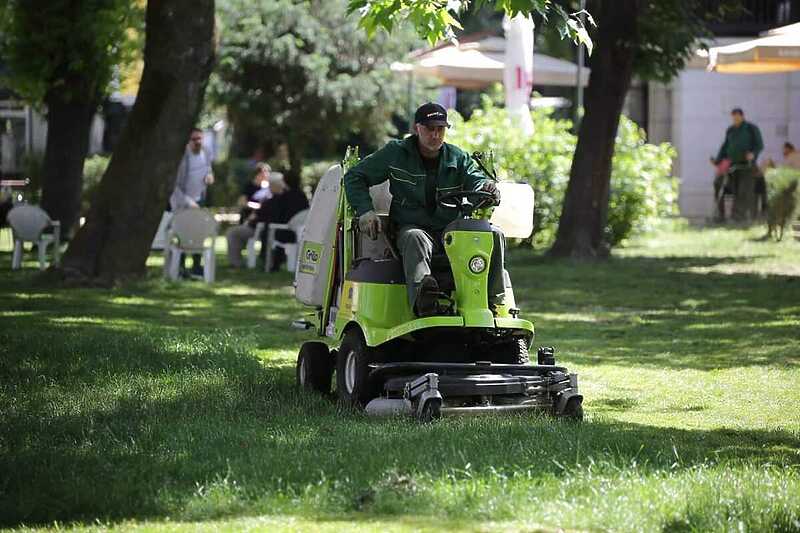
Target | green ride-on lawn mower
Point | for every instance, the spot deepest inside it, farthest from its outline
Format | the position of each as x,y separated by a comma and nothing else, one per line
468,358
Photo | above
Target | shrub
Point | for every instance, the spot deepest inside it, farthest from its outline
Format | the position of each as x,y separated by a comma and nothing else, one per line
642,189
641,186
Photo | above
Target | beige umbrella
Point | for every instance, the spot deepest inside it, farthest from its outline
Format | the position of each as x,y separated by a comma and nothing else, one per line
777,51
475,64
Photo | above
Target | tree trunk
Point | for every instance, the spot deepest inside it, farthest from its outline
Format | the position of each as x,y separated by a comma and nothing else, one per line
297,148
68,126
115,241
583,220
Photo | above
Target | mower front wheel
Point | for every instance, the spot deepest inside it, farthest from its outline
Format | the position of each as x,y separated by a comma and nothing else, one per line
314,367
352,370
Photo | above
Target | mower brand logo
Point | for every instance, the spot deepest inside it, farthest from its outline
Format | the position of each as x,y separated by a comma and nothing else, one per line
312,256
309,259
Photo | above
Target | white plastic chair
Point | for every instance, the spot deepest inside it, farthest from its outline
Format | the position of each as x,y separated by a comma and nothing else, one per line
252,255
192,231
28,223
295,225
160,238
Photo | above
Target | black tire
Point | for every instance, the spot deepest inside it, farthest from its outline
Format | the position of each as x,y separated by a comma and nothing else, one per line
352,370
431,411
514,352
573,411
314,368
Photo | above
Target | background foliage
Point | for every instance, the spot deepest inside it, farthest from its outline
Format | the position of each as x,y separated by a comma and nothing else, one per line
44,52
302,73
436,21
642,189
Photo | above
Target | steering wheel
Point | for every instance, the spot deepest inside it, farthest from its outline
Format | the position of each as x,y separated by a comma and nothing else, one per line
466,201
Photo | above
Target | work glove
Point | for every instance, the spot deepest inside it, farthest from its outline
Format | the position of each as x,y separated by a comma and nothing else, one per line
370,224
491,186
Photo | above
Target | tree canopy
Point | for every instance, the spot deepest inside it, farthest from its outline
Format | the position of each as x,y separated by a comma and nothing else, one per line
68,47
436,21
301,73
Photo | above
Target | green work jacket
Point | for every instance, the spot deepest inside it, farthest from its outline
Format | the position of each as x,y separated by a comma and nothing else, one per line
400,162
739,141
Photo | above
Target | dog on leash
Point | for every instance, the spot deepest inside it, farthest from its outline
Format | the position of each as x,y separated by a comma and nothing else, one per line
781,210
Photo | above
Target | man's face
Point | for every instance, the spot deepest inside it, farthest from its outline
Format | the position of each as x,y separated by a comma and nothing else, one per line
786,151
737,118
196,141
430,137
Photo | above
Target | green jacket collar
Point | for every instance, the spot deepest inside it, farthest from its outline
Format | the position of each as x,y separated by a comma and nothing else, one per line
448,155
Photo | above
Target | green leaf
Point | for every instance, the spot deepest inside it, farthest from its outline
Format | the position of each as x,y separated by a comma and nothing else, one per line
434,20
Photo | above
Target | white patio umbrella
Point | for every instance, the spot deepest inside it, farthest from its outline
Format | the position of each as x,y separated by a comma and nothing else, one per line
479,61
777,51
518,70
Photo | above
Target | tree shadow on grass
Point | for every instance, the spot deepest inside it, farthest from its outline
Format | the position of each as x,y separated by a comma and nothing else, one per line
139,447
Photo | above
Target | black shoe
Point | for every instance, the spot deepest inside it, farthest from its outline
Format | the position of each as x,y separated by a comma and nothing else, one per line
427,302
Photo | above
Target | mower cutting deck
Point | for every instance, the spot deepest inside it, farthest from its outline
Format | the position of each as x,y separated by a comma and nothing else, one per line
430,390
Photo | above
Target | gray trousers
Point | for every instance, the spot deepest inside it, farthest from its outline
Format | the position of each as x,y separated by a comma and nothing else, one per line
416,246
237,238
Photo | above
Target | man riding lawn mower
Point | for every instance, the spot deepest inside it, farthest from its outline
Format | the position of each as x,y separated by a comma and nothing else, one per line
419,298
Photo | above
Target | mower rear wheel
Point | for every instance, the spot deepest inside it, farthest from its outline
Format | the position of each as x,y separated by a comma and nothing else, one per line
514,352
352,370
314,367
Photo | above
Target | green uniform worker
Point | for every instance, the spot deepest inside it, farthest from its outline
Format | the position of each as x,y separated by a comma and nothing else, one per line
418,168
741,147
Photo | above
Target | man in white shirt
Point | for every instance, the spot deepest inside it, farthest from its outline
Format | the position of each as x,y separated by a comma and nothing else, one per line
194,177
194,174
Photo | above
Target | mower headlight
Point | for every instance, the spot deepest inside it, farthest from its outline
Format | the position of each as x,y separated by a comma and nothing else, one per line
477,264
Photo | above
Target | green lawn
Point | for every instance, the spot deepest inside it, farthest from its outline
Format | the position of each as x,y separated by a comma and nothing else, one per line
167,406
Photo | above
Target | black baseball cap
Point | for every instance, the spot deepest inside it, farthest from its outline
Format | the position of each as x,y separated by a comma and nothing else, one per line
431,114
